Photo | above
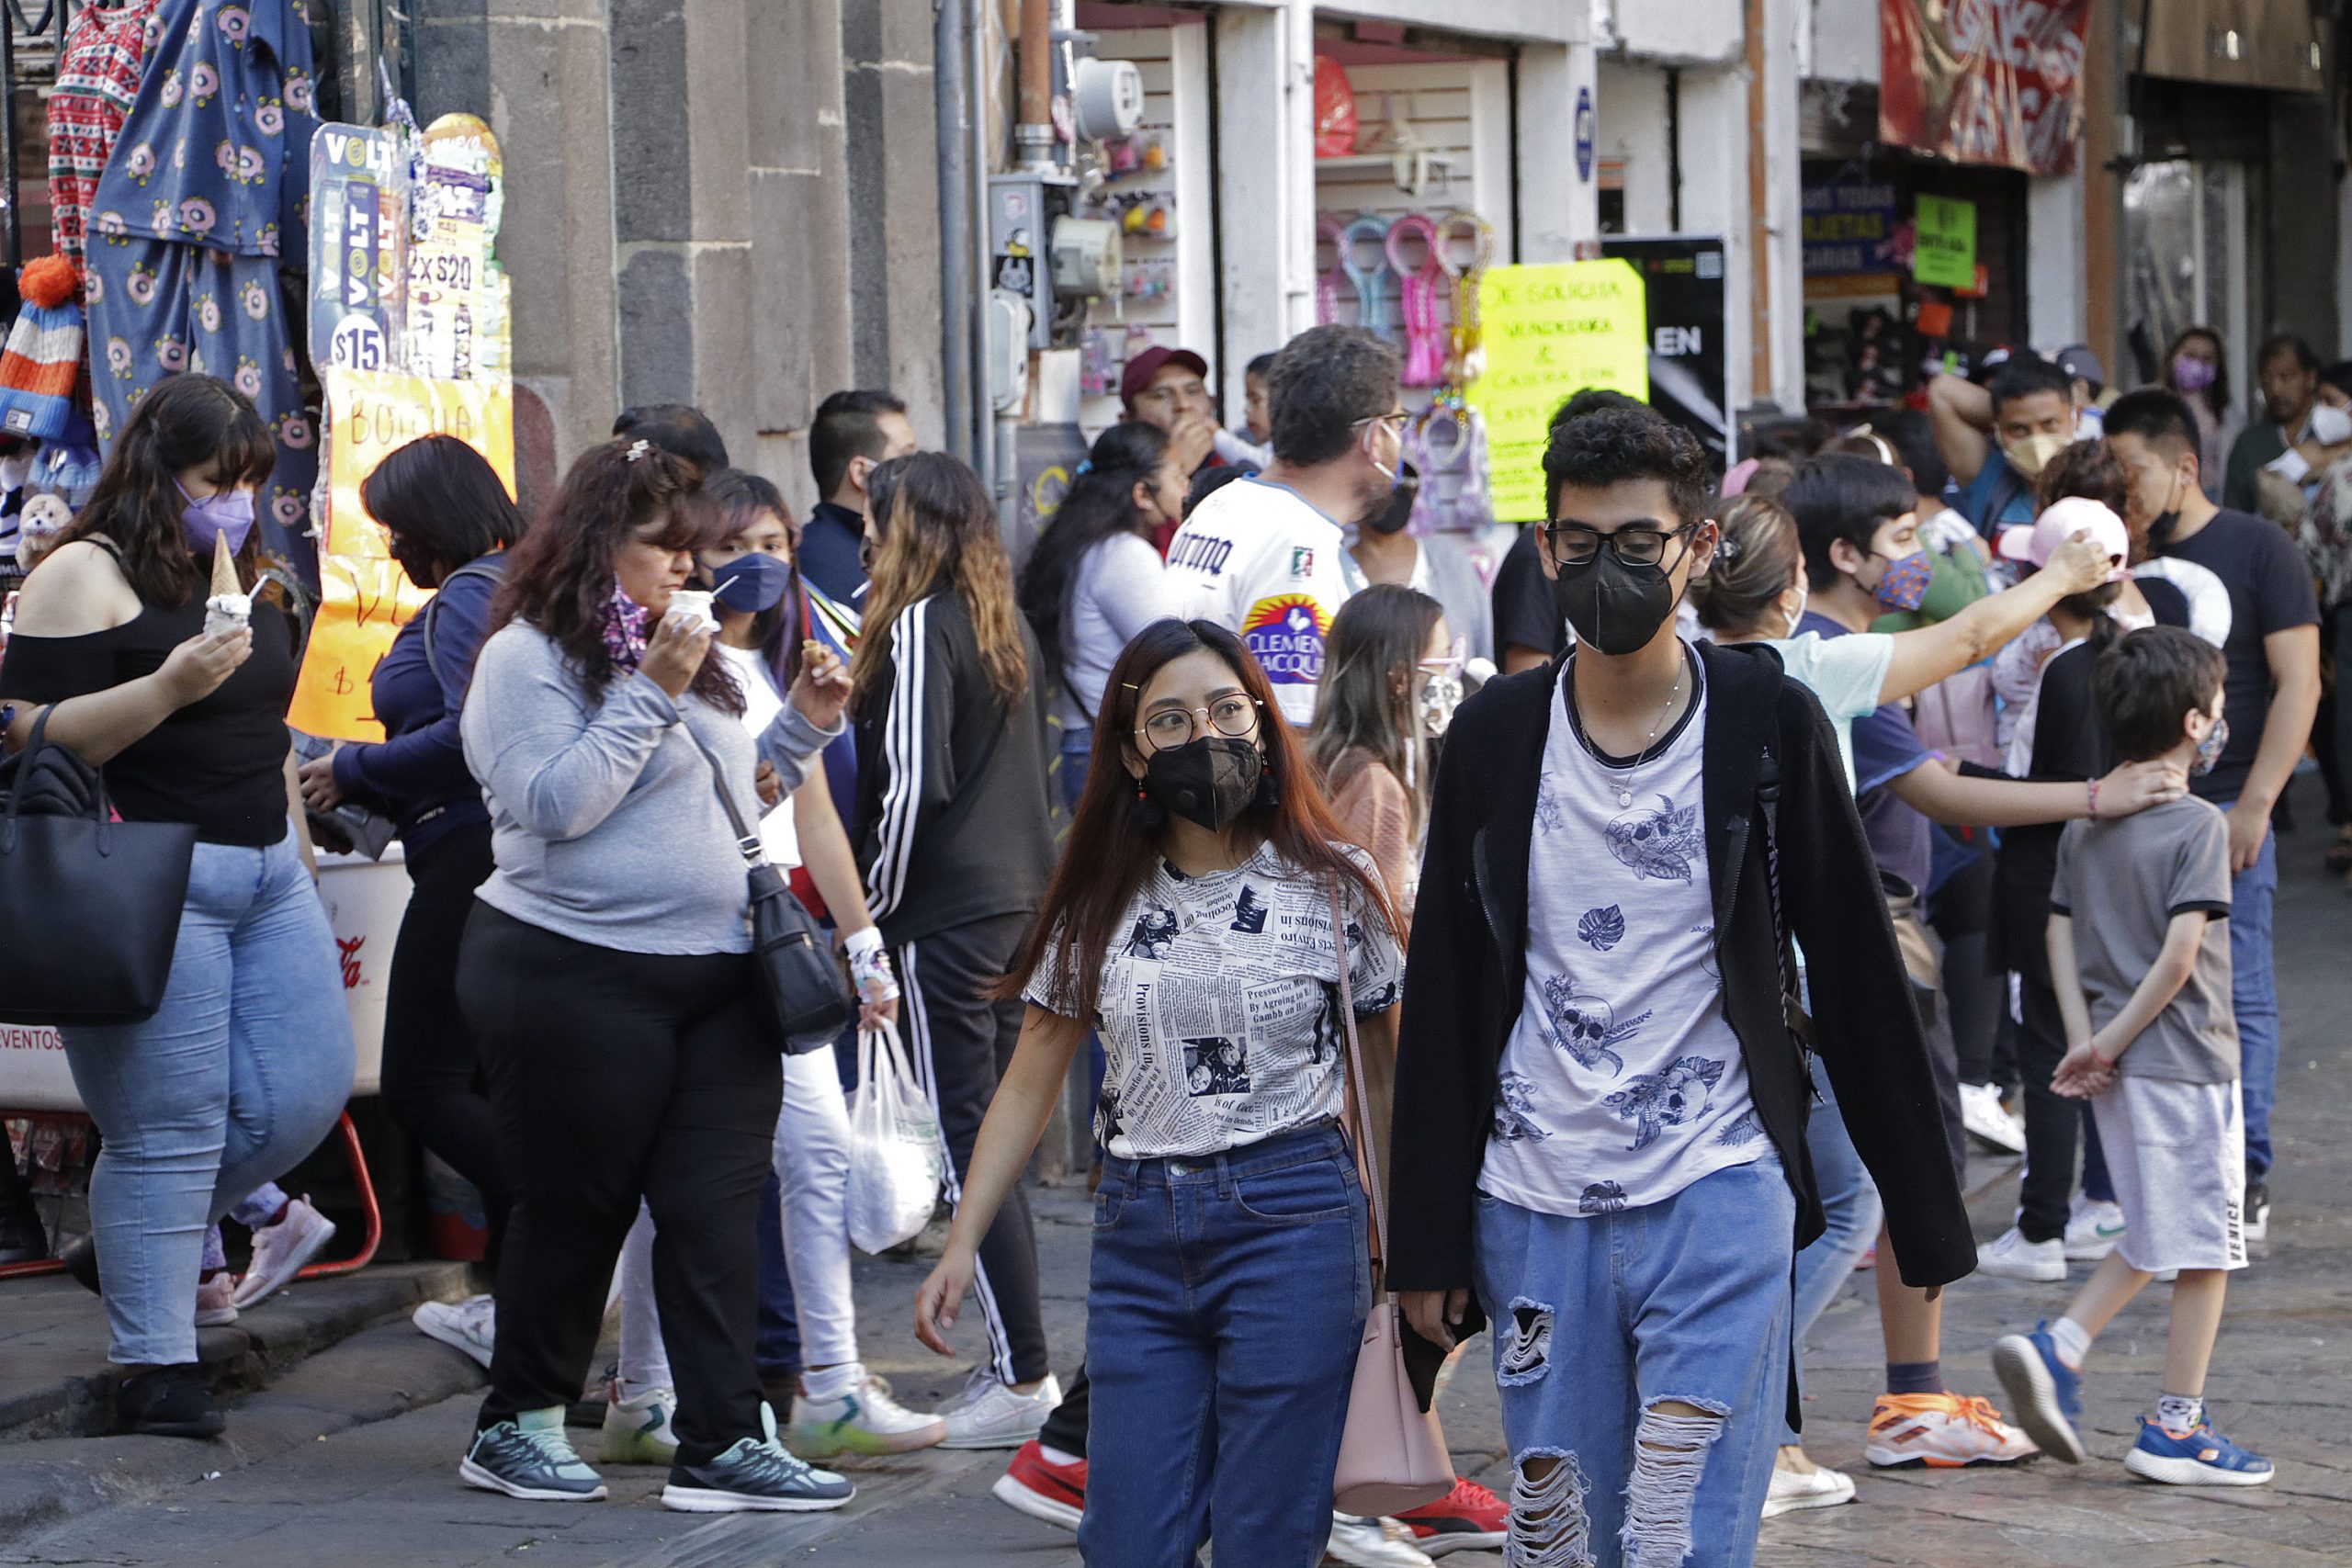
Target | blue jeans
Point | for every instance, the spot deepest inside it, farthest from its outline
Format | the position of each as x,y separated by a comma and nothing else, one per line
778,1343
1850,1204
1076,757
1223,1311
238,1076
2254,997
1681,1300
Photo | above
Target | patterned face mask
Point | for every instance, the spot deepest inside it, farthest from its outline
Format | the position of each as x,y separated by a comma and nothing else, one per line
628,626
2210,750
1904,584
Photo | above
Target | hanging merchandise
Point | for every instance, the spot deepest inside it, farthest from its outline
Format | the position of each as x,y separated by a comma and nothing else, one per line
1419,289
97,81
207,173
1098,367
1466,361
1372,295
451,301
1448,444
45,363
1335,109
1330,231
358,246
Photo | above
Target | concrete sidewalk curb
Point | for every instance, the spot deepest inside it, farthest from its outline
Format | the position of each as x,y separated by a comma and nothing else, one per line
373,1375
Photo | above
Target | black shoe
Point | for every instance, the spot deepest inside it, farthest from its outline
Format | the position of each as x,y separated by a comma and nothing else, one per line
169,1402
81,1260
22,1240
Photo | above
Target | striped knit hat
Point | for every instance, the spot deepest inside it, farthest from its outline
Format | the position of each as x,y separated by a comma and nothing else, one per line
44,357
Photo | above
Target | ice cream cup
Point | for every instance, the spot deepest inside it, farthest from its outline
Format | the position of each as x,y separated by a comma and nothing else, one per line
695,603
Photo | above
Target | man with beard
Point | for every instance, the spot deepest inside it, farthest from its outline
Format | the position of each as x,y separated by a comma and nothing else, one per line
1262,556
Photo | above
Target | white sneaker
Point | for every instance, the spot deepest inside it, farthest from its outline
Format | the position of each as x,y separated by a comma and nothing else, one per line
216,1302
637,1431
991,1415
1373,1543
1944,1431
281,1249
2011,1256
470,1325
866,1422
1987,1120
1793,1489
2092,1229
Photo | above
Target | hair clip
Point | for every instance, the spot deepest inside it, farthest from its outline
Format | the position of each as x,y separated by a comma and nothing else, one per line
638,448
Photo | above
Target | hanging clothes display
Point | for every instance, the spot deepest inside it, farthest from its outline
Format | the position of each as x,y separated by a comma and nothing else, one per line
97,81
208,178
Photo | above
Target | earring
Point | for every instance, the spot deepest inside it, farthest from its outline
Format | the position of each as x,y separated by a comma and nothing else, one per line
1270,792
1147,813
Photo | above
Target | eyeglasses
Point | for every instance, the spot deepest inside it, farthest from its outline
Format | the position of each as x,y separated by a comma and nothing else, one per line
1233,716
1452,663
1574,544
1395,418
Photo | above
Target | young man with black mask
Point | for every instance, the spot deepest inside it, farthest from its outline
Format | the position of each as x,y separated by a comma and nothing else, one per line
1600,1095
1528,630
2272,693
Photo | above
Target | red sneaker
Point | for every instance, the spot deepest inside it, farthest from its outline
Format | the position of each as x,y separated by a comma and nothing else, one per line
1041,1489
1468,1519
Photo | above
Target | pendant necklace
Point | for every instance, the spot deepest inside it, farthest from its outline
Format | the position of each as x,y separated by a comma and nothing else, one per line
1641,752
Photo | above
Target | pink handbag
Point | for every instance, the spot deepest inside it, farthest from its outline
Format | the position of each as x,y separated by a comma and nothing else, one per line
1392,1453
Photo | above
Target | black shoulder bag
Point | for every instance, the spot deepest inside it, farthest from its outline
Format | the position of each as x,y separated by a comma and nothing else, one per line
806,987
89,906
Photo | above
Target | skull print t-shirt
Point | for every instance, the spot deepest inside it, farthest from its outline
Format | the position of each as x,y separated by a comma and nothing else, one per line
1219,1007
1623,1083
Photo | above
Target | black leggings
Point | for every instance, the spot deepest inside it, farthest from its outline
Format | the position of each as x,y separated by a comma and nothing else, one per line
615,1076
2052,1121
433,1083
1975,993
960,1045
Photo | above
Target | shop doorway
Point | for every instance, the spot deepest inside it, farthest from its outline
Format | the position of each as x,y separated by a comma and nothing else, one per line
2186,236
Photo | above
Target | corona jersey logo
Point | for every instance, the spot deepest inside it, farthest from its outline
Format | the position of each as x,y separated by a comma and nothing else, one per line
1285,632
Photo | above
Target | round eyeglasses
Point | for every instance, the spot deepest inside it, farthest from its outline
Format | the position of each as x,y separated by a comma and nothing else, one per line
1233,717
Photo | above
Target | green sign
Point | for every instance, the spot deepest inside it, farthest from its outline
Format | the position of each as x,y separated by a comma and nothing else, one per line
1944,254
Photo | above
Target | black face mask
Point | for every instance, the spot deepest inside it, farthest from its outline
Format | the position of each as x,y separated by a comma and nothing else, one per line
2165,524
1614,607
1210,781
1397,510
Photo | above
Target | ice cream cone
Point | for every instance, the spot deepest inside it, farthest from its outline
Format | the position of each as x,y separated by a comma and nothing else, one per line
224,566
229,608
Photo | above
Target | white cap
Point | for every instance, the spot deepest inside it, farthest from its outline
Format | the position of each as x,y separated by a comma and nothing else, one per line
2065,519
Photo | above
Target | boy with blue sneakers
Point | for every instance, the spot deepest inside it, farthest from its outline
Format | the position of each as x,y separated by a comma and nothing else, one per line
2141,962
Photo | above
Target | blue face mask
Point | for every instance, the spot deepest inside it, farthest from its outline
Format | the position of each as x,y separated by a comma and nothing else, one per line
752,583
226,513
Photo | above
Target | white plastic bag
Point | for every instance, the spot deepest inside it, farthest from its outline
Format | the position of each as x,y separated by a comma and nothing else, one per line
895,1158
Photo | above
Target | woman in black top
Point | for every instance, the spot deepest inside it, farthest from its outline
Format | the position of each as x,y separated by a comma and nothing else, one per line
451,522
954,844
249,1060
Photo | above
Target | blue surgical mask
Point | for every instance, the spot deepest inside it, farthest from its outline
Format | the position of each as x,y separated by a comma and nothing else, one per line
226,513
752,583
2210,750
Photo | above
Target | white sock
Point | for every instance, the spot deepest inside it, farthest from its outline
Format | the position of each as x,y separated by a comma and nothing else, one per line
833,1383
2074,1342
2181,1412
1055,1456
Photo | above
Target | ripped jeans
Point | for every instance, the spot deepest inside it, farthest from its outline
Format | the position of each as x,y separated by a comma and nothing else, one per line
1682,1302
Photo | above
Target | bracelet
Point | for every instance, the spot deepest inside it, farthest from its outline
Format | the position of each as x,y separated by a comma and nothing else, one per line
2091,787
862,943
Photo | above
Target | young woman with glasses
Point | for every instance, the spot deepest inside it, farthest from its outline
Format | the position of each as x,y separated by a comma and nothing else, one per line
1192,923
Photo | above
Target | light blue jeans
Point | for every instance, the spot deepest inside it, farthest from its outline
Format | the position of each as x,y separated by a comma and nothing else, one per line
1597,1320
238,1076
2254,997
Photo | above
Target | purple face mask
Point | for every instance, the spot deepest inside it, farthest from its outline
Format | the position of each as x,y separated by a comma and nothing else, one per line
226,513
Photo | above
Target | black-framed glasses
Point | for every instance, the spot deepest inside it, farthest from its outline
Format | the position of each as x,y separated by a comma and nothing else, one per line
1233,716
1574,544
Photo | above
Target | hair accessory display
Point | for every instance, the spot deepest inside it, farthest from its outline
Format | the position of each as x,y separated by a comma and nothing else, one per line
1371,297
1467,360
1330,231
1425,339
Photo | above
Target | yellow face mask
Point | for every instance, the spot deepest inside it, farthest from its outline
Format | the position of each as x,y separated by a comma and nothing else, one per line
2032,454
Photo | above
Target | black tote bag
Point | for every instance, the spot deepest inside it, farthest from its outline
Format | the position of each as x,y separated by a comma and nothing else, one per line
89,906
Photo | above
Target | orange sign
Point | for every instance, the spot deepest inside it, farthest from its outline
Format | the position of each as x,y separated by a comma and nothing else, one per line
365,598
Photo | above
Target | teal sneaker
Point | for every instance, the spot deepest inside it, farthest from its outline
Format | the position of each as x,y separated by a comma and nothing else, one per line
755,1475
531,1458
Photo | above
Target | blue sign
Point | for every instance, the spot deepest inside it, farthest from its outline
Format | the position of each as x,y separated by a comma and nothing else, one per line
1584,133
1848,228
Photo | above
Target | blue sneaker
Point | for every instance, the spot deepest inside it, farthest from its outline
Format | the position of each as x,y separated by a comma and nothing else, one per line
2046,1393
531,1458
2202,1458
755,1475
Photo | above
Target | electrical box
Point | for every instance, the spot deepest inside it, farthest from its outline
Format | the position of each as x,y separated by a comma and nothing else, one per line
1087,254
1023,208
1107,98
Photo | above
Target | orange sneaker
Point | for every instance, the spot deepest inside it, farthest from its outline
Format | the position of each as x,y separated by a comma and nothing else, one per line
1945,1430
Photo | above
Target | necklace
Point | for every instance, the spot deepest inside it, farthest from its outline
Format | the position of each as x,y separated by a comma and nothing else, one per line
1641,752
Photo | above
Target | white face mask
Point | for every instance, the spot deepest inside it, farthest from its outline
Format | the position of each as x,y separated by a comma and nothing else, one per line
1797,614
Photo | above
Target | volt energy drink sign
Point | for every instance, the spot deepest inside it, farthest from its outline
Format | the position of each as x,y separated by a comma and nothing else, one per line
1682,279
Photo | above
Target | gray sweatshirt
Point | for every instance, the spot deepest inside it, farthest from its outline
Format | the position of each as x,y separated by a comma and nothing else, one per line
604,819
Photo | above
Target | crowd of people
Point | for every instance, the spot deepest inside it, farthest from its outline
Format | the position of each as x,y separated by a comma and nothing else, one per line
1231,777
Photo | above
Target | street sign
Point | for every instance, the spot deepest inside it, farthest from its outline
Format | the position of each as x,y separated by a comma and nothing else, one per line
1682,279
1586,134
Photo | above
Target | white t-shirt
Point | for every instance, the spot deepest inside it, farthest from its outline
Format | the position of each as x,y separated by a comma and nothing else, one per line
1261,562
1845,673
1219,1007
762,703
1623,1083
1121,587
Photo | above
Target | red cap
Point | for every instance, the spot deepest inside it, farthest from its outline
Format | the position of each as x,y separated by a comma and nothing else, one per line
1145,366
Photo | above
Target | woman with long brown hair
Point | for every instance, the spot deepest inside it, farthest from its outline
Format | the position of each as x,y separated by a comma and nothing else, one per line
1192,924
954,840
606,973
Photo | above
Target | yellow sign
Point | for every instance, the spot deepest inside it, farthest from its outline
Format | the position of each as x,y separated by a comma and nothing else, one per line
364,599
1550,331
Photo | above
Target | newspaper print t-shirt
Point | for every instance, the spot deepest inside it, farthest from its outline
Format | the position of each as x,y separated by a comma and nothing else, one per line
1622,1083
1219,1009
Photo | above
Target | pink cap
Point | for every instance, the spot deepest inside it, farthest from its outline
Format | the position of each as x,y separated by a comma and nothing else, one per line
2065,519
